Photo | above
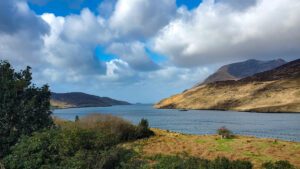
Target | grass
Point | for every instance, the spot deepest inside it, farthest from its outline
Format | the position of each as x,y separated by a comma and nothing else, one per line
256,150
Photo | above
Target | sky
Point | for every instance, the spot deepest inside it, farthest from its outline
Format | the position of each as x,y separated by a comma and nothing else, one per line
142,50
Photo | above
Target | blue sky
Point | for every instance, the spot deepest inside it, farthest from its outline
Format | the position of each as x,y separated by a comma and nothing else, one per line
67,7
142,50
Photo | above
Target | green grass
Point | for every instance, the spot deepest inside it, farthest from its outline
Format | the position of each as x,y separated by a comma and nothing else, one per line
200,141
258,157
224,145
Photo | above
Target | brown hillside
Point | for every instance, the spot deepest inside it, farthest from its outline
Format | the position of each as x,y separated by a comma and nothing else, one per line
277,90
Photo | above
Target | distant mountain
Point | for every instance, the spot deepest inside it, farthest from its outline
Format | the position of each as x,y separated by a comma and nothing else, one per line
239,70
77,99
276,90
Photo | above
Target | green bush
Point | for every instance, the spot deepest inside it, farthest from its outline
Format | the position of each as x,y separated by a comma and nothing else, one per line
278,165
24,108
186,162
57,148
122,129
90,143
224,163
224,132
143,130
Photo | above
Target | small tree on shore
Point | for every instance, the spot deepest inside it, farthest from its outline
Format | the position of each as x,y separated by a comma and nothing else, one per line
224,132
143,129
76,118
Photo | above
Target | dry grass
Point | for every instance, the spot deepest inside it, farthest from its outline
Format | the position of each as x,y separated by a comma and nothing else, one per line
96,121
253,149
271,96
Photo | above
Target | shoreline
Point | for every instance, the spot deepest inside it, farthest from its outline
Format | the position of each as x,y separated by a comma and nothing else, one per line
246,111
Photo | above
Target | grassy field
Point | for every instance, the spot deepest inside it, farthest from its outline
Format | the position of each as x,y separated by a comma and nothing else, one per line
256,150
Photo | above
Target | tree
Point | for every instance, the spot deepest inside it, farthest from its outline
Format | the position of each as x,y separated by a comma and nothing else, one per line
143,129
224,132
24,108
76,118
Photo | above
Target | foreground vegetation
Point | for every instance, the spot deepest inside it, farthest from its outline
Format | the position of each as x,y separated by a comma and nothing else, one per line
90,142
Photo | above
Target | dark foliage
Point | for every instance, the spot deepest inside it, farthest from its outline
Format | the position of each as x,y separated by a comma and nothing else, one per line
65,148
76,118
278,165
24,108
91,143
143,130
224,132
186,162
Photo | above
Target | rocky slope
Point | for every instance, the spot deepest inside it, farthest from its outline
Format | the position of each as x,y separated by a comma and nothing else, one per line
236,71
276,90
77,99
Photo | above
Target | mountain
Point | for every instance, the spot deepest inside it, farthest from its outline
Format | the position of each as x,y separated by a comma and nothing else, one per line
239,70
77,99
276,90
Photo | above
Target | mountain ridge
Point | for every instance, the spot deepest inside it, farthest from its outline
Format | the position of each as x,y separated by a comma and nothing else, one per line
80,99
239,70
276,90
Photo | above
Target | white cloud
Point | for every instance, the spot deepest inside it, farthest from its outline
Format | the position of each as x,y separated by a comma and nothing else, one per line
86,28
141,18
134,54
216,32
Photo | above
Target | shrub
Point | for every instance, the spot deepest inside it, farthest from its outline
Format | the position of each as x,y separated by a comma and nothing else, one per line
143,129
278,165
122,129
76,118
186,162
24,108
57,148
240,164
224,132
224,163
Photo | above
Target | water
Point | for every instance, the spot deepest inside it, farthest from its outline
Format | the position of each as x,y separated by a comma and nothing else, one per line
273,125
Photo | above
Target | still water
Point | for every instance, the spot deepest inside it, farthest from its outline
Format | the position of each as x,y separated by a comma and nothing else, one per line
273,125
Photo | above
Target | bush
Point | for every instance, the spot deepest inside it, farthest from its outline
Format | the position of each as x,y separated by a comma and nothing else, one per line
57,148
224,132
90,143
186,162
224,163
122,129
143,129
278,165
24,108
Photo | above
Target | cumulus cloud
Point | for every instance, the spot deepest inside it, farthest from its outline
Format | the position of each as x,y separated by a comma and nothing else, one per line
216,32
15,16
21,33
71,48
141,18
134,54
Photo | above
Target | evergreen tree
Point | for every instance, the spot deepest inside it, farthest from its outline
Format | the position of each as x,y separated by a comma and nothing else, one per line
24,108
